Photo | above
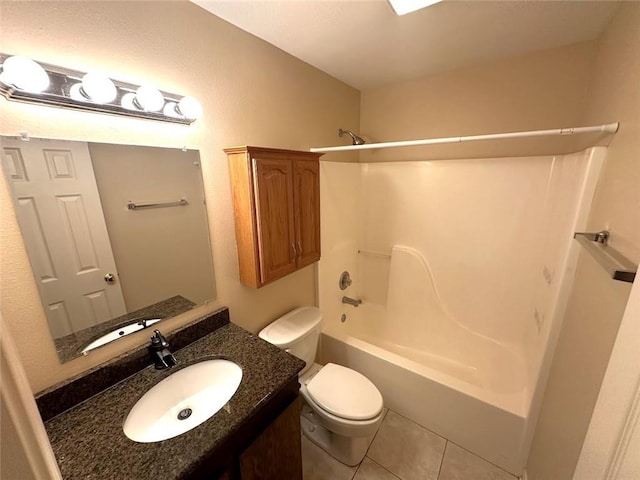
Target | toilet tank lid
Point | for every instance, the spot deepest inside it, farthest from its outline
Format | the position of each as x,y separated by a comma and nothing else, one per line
291,326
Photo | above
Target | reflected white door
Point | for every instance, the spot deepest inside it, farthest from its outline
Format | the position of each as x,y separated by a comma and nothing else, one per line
60,214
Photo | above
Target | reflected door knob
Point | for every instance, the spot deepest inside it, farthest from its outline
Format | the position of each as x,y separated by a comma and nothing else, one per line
110,278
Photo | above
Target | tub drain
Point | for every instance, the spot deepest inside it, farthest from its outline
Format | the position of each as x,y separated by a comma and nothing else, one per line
184,414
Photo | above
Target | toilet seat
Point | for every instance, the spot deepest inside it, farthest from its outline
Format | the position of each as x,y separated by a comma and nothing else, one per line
344,393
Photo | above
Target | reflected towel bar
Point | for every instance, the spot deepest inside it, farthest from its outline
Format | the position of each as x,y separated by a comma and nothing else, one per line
136,206
618,266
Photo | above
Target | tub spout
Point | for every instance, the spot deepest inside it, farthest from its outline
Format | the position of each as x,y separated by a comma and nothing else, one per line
351,301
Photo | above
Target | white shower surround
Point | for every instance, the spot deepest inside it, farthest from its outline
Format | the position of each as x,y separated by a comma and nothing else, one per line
496,235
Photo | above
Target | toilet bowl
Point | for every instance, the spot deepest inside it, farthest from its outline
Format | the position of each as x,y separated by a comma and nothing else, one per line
342,409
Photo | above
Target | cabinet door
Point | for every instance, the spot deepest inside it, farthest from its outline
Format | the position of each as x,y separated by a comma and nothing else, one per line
277,453
273,182
307,211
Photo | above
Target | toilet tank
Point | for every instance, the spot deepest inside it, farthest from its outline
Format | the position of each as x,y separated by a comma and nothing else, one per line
297,332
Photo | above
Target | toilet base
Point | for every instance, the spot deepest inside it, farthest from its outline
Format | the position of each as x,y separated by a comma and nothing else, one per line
347,450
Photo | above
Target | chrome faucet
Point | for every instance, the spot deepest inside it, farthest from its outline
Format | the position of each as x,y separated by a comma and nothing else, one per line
351,301
160,353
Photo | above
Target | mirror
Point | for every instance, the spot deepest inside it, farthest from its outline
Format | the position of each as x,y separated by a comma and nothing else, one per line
117,235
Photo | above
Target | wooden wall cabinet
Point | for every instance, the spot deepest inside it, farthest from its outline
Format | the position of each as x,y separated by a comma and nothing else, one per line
276,201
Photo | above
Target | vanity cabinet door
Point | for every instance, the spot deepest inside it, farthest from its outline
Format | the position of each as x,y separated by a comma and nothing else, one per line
277,453
276,199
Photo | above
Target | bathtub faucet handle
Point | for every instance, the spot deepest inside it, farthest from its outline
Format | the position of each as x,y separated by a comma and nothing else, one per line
351,301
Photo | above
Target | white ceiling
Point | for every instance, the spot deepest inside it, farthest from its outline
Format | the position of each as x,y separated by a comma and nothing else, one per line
365,44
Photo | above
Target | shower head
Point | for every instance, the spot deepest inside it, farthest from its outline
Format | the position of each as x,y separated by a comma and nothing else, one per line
356,139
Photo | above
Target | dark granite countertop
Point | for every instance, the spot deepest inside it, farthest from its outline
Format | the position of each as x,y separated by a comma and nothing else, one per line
88,440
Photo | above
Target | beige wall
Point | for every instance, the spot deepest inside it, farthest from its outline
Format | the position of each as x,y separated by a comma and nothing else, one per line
251,92
597,302
13,460
540,90
25,452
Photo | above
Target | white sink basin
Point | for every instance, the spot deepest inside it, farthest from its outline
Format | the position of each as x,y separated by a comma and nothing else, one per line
118,333
183,401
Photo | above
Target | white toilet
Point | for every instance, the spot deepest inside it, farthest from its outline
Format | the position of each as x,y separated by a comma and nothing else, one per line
343,409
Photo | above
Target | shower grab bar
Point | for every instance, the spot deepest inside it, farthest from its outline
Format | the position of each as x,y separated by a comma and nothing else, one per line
616,264
178,203
374,254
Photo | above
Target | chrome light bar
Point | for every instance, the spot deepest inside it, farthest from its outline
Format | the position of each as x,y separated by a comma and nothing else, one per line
24,80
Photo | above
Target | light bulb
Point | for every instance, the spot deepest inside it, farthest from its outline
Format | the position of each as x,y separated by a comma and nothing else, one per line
98,88
190,108
75,92
128,101
149,98
5,78
24,74
170,110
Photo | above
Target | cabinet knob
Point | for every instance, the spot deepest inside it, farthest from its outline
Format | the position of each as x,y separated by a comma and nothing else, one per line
299,249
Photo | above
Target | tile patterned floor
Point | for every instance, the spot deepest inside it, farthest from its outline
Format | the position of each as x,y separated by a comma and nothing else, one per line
402,450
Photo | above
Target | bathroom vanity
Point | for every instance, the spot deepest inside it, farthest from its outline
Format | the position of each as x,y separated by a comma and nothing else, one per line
255,435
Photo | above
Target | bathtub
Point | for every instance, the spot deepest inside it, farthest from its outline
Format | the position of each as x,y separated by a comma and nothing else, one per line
459,321
475,396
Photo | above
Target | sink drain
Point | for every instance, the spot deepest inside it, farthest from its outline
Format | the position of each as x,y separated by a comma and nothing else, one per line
184,414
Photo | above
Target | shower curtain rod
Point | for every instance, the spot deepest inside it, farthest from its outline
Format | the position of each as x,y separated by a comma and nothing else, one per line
606,128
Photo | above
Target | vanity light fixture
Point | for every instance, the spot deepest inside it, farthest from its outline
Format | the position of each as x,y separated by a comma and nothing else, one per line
24,80
402,7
